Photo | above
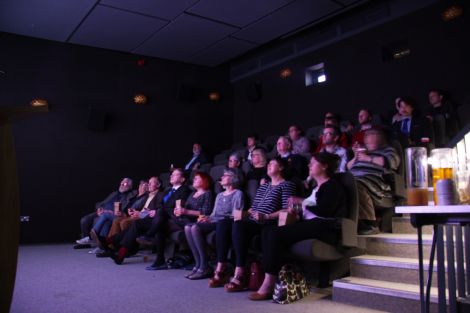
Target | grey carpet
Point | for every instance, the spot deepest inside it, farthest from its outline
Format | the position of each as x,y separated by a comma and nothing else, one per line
56,278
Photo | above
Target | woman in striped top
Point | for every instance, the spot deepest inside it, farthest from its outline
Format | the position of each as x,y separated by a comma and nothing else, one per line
369,166
269,200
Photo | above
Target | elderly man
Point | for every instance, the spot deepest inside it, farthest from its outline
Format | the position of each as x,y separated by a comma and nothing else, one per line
298,165
123,195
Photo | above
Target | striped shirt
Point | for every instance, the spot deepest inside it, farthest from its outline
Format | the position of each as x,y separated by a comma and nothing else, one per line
372,175
271,198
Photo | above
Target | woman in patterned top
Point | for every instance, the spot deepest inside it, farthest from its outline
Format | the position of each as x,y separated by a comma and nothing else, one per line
270,199
226,202
369,166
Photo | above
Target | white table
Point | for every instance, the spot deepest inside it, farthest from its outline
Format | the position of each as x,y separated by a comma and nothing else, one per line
438,216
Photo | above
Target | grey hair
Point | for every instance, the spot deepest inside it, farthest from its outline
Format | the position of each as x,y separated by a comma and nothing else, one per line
236,155
235,181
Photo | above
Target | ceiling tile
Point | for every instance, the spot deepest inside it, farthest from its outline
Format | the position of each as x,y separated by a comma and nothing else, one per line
238,13
287,19
222,51
48,19
115,29
160,8
184,37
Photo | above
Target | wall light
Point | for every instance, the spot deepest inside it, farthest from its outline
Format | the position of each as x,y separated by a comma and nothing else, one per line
285,73
452,12
140,99
214,96
39,102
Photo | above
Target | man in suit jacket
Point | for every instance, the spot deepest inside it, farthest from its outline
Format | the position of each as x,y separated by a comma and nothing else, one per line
196,160
156,220
411,130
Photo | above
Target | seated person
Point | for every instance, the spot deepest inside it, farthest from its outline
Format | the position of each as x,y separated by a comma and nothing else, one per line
297,165
270,199
234,162
124,195
318,220
412,130
330,144
199,202
103,225
125,242
225,203
300,143
139,208
369,166
332,119
251,145
196,160
257,170
443,117
364,119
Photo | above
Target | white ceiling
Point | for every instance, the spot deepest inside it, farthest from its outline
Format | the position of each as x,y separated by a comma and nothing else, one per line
205,32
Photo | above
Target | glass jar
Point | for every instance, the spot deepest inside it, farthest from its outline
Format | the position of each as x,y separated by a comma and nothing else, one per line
416,165
442,167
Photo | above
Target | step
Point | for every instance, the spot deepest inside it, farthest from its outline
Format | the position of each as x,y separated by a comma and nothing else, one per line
403,245
402,225
392,269
380,295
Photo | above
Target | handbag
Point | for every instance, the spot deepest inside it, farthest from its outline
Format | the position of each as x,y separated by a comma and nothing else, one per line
291,285
256,276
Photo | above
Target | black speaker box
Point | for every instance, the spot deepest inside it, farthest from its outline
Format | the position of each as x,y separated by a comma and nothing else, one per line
97,120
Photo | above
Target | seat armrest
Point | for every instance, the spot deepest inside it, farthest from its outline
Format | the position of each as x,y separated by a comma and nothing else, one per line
349,232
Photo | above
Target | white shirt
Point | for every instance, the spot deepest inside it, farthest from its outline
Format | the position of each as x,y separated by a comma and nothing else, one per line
310,201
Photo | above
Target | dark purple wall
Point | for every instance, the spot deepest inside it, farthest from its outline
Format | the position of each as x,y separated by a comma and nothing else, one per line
63,167
357,76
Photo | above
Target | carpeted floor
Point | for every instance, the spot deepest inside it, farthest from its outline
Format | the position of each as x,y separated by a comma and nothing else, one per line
56,278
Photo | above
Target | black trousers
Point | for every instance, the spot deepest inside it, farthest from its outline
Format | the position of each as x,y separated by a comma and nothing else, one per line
277,240
242,236
223,238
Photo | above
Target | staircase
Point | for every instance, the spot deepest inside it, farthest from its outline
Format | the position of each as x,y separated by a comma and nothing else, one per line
386,277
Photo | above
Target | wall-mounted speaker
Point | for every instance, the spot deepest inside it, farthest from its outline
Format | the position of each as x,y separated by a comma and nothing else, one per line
97,119
254,92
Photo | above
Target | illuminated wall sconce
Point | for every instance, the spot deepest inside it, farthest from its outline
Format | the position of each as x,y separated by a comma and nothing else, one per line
452,12
214,96
285,73
39,103
140,99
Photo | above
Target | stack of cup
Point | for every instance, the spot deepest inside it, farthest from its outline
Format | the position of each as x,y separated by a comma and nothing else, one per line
445,192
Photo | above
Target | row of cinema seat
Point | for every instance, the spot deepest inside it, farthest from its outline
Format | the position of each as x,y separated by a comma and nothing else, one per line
332,261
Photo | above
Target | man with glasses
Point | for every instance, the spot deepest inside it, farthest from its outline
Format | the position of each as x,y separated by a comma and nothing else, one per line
330,144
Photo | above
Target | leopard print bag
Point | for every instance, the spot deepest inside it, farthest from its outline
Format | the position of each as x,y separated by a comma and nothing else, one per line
291,285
